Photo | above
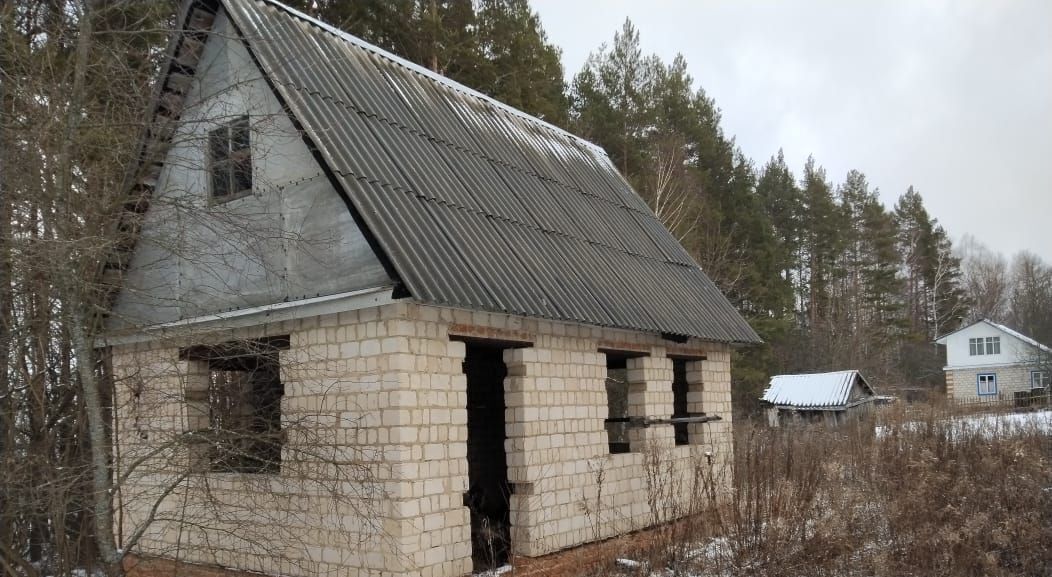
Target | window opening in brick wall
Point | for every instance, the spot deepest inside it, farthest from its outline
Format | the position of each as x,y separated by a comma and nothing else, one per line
617,403
679,400
244,392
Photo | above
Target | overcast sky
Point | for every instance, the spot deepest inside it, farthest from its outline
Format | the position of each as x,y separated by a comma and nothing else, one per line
951,96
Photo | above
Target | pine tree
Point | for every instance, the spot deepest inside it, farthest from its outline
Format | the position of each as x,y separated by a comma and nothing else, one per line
821,228
869,320
519,66
496,47
934,300
611,100
782,201
916,245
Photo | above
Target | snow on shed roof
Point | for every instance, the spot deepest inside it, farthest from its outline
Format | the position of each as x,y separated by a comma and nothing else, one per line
813,390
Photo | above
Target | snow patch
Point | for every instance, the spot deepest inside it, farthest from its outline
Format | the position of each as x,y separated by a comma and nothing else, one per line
494,572
987,425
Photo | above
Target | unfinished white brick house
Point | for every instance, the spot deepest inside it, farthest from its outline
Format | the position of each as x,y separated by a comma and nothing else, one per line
375,323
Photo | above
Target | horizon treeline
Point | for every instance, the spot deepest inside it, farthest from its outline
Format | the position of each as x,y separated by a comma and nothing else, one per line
829,277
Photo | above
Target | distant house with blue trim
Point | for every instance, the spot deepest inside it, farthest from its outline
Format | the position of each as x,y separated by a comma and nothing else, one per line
987,361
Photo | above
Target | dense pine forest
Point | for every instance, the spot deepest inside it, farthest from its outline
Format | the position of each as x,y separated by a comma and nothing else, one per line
829,276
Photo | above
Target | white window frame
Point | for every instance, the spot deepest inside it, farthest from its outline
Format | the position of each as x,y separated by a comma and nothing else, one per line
993,345
1040,379
990,380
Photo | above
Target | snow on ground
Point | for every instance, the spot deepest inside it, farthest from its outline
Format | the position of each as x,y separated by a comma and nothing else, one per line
702,557
1040,421
494,572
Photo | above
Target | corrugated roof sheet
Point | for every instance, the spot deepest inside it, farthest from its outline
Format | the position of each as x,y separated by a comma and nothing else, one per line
812,390
474,203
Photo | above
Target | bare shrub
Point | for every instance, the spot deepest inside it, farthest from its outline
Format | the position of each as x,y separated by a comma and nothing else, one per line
933,494
936,496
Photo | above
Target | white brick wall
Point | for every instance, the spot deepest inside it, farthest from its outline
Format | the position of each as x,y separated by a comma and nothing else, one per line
374,467
961,384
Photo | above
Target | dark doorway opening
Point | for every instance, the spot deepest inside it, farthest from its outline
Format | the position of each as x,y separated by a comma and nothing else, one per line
488,488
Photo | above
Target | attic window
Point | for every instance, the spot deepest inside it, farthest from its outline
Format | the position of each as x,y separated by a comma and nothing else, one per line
230,160
987,346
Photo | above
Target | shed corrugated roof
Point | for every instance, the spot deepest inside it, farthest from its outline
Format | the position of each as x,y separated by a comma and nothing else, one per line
473,203
812,390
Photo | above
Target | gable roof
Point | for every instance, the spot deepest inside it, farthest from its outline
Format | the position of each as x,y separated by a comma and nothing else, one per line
472,203
1008,331
817,390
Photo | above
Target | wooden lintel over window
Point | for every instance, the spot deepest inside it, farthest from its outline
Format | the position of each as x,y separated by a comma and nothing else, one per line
505,338
623,350
235,348
688,356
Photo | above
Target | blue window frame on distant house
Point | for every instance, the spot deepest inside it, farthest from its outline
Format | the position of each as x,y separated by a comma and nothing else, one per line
986,384
1040,379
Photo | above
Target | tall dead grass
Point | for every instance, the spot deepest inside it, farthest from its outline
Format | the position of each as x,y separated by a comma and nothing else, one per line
929,495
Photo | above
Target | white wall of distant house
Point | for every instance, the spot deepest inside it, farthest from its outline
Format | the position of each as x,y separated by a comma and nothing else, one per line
958,354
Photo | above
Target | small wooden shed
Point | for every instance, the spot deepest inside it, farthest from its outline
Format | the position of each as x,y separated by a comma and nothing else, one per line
829,398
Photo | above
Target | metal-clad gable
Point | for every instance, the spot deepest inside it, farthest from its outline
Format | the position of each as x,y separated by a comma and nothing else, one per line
475,204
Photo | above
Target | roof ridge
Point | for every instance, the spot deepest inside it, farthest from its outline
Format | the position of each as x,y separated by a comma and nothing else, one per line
432,75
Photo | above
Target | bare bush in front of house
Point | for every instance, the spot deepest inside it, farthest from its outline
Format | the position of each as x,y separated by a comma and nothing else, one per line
937,495
209,470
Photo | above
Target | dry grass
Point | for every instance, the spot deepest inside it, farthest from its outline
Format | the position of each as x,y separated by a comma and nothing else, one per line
929,496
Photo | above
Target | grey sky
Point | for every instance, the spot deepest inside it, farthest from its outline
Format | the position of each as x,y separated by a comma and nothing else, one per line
953,97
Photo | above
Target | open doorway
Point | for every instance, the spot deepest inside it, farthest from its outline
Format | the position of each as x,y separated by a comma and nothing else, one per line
488,488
